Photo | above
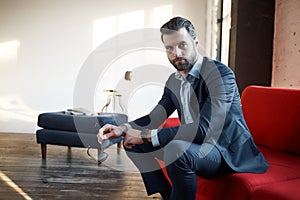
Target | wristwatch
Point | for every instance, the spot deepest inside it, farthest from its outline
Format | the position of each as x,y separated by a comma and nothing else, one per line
144,135
127,126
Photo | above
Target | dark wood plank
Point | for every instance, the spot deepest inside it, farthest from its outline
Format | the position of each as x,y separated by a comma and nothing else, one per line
66,173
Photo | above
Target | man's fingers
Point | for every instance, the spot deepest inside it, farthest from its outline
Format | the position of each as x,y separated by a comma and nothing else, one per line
108,131
107,135
104,137
128,145
129,141
100,138
101,133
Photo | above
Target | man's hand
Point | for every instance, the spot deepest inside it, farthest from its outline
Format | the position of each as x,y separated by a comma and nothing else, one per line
109,131
132,138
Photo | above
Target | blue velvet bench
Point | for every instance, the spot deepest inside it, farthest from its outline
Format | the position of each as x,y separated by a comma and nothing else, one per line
74,130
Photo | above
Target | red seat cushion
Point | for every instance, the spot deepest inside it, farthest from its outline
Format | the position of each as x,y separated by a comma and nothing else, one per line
287,190
283,167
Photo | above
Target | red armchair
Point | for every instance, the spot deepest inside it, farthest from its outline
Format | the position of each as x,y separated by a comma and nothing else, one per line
272,115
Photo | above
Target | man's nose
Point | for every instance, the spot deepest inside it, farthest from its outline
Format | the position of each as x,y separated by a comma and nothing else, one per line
177,52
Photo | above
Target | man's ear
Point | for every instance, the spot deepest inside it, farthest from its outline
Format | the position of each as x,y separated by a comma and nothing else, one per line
196,41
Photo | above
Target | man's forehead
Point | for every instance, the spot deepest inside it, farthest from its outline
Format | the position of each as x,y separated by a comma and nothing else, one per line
176,36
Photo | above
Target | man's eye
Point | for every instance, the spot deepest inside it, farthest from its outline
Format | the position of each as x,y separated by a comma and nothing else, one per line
182,45
169,48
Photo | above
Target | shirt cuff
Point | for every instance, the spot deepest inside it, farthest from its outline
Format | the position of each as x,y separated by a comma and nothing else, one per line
154,138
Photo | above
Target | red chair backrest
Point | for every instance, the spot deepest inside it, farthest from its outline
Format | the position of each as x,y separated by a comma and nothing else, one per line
273,116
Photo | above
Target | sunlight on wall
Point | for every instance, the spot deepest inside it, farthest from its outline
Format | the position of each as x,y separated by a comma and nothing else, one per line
108,27
15,108
9,50
15,114
131,21
104,29
138,101
161,14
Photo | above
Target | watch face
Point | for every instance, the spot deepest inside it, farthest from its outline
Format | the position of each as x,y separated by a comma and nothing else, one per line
126,129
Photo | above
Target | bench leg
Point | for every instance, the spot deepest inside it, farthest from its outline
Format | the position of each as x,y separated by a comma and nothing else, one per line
44,150
119,146
102,156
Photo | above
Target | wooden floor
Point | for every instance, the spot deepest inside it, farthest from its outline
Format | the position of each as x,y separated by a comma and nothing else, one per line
65,174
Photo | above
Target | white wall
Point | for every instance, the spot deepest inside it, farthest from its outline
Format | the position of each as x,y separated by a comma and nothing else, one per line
286,55
45,43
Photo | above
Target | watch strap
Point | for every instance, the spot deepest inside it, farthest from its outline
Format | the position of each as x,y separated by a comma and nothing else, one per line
144,135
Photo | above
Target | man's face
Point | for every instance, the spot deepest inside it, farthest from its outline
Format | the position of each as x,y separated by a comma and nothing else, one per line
181,49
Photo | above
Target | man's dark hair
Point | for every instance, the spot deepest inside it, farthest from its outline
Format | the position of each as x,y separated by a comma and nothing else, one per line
177,23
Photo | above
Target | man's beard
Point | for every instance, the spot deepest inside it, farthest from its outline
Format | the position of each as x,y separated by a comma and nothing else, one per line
186,65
